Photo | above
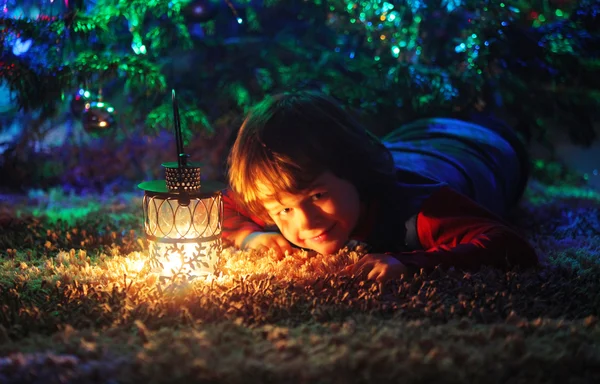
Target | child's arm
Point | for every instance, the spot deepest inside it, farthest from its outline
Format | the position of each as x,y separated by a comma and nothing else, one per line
455,231
237,223
246,231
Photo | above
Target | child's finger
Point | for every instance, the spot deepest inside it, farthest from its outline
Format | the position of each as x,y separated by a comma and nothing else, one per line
356,266
346,271
270,244
261,248
284,245
278,251
361,271
375,274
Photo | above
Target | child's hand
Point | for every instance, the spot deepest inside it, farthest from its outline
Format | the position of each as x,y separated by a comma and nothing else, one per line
262,240
376,266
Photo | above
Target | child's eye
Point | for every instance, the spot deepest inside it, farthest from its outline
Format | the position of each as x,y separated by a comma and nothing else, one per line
284,211
317,196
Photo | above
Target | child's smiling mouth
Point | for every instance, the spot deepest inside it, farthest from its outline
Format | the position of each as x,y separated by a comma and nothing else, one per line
324,236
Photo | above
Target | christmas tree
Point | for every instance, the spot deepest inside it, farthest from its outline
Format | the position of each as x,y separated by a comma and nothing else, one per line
106,67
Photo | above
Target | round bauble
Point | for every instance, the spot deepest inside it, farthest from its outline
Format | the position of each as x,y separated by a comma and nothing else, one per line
79,101
98,118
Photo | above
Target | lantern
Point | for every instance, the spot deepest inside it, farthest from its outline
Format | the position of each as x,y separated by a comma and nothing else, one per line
182,217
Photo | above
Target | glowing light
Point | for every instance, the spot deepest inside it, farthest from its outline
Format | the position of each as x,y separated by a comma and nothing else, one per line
21,46
452,4
172,263
137,265
460,48
183,239
172,259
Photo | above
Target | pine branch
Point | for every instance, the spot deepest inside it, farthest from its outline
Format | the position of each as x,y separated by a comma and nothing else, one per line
30,29
36,88
193,120
141,74
33,90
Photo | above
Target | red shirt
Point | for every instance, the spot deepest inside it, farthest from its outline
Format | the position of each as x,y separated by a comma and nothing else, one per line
449,230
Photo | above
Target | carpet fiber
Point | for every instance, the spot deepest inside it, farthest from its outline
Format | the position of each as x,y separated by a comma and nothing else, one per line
76,306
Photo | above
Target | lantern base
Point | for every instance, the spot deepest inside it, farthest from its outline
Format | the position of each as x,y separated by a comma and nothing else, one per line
189,260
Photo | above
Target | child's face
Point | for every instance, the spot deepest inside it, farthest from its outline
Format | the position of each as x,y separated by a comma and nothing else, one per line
320,218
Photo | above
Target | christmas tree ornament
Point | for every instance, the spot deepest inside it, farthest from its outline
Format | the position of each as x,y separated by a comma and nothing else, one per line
79,101
183,218
200,11
98,118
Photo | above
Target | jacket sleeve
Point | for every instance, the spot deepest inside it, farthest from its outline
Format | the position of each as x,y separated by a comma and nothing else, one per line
237,222
455,231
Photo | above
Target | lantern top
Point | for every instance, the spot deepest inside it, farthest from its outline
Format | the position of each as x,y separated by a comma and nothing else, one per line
175,164
156,187
182,177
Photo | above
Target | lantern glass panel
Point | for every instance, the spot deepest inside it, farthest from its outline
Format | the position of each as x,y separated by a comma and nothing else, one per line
184,259
183,238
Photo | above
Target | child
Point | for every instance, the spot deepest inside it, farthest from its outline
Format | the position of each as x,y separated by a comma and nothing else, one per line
303,172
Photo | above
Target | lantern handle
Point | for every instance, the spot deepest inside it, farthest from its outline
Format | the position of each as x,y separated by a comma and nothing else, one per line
181,156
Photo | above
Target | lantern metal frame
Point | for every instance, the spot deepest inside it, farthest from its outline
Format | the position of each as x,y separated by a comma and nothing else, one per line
183,217
173,221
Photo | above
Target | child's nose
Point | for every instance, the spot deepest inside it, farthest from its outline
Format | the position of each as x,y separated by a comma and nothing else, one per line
309,217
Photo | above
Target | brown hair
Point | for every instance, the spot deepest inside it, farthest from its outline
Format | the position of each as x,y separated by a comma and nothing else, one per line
289,139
